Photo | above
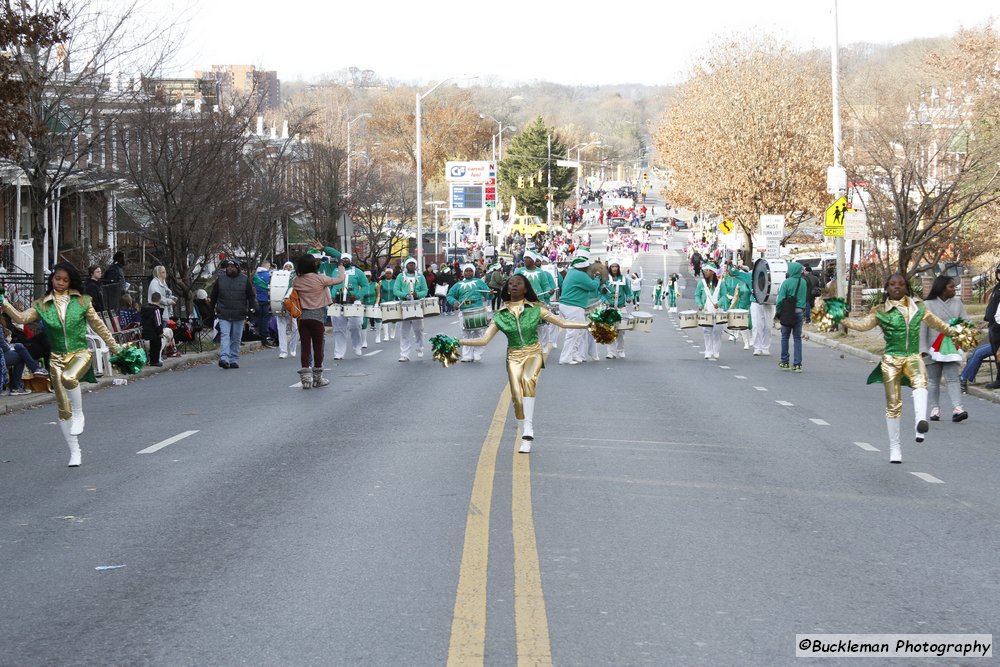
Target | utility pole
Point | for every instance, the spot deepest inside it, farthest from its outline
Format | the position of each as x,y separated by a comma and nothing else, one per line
837,140
548,189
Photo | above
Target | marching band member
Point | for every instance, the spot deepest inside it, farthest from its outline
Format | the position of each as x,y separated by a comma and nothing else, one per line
900,318
288,327
383,292
706,297
465,294
658,295
635,285
617,293
353,290
409,286
557,280
66,313
519,319
579,290
736,294
369,299
544,286
672,292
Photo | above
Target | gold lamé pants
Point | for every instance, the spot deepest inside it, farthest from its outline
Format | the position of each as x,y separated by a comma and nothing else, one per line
893,371
524,364
65,371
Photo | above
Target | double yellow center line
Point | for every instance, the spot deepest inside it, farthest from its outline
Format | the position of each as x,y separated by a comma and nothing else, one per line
531,626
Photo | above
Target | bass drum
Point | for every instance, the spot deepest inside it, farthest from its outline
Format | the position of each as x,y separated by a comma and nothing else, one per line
768,274
278,290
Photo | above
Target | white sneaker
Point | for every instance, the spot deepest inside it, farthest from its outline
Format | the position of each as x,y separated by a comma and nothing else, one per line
358,352
525,447
283,355
766,353
420,354
757,353
715,356
404,358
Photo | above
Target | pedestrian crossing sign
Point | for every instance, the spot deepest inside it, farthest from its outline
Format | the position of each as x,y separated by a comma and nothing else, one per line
833,219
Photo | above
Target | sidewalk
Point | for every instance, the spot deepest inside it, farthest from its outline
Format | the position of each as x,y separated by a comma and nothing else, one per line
825,339
12,404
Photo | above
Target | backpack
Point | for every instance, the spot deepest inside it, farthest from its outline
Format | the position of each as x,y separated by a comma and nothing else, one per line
786,309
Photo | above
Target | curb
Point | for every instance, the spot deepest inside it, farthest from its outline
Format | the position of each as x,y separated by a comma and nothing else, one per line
10,404
978,392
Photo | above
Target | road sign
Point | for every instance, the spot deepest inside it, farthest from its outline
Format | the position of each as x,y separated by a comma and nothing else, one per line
568,163
833,219
772,226
836,180
855,226
773,250
726,226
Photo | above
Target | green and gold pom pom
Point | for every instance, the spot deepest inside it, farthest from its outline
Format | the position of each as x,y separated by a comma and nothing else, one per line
446,349
130,360
967,337
827,313
604,325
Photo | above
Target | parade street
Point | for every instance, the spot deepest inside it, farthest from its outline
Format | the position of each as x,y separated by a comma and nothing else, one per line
673,511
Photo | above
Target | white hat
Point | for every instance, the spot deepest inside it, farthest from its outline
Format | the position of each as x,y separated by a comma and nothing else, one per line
468,266
346,255
410,260
580,262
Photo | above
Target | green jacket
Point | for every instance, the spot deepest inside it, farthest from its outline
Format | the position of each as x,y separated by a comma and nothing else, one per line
401,289
579,289
519,333
621,285
737,279
794,285
468,293
385,292
71,337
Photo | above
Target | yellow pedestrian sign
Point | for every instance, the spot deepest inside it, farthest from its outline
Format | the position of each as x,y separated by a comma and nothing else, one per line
726,226
833,219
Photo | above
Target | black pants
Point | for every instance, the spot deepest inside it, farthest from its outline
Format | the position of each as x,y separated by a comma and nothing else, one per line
995,337
155,346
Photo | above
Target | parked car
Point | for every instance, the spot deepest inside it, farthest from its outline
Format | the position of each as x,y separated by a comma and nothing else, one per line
659,222
615,223
680,224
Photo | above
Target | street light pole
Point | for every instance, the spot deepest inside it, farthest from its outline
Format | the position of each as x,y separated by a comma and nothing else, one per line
420,176
837,139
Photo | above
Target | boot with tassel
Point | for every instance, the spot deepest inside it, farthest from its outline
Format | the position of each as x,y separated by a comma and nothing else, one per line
318,379
306,377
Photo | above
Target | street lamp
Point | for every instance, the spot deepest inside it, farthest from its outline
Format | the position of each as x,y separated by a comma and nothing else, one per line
579,165
497,145
437,229
420,175
358,117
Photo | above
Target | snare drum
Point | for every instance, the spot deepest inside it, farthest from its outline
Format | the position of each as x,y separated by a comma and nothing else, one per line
475,318
627,323
711,319
373,312
739,319
688,319
335,310
392,311
643,321
412,310
278,290
353,310
430,306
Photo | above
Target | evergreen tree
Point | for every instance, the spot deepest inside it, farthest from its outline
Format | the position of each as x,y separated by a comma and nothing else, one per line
525,168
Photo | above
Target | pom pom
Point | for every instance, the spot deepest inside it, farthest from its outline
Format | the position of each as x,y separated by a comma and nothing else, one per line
828,313
130,360
607,316
967,337
603,333
445,349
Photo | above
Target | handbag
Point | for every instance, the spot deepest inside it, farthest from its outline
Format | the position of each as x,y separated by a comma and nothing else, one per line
441,290
292,304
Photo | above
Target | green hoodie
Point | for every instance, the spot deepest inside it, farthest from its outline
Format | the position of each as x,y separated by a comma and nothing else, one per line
794,285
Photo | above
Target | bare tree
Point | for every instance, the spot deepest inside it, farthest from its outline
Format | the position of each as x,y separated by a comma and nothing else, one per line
75,93
383,208
185,171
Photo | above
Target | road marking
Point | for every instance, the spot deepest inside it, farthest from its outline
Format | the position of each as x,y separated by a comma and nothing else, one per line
169,441
761,388
725,368
786,404
531,624
819,422
468,625
373,353
927,477
740,377
865,446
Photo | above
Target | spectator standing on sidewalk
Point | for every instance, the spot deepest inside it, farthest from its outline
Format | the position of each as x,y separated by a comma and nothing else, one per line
234,298
814,289
94,289
941,358
993,322
262,286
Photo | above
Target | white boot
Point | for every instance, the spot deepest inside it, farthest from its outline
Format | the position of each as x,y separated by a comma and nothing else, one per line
378,333
364,339
72,441
920,408
76,406
527,428
895,451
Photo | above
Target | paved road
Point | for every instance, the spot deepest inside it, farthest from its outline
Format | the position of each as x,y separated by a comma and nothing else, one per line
674,511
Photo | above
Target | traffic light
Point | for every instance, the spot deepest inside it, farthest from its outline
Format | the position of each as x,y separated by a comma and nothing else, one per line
520,181
539,174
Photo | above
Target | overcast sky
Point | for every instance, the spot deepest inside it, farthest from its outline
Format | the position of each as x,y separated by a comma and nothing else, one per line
570,42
